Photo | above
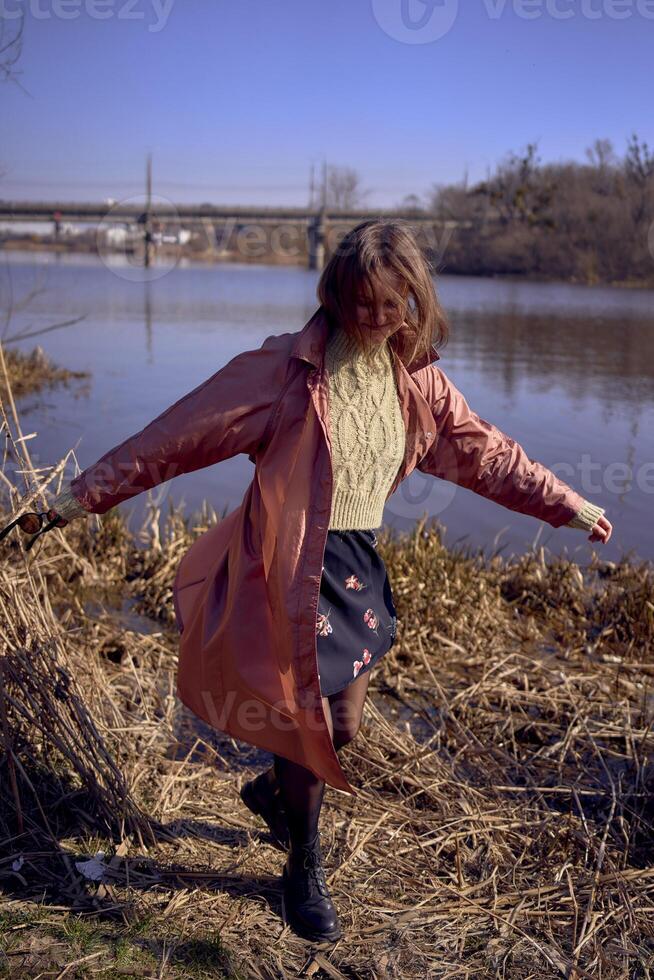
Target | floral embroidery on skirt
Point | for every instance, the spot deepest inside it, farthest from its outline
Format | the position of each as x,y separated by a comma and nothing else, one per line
356,621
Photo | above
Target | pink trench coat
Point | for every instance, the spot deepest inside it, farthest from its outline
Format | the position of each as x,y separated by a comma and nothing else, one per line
246,592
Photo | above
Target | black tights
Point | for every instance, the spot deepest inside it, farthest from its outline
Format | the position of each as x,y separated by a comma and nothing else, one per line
301,791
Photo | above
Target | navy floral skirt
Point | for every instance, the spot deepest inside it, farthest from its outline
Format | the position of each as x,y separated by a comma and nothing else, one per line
356,621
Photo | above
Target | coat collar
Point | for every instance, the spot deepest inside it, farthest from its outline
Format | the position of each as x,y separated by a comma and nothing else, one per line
311,340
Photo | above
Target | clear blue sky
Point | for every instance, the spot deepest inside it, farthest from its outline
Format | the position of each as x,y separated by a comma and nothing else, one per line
237,98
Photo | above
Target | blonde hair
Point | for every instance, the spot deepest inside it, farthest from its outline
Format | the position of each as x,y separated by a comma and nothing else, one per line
380,249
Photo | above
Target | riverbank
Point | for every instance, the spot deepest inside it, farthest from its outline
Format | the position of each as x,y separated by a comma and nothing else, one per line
503,815
208,256
33,371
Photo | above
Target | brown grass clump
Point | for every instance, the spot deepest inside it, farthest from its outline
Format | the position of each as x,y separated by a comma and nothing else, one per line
32,371
503,822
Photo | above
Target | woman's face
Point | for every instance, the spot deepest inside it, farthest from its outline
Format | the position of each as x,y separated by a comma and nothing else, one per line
386,316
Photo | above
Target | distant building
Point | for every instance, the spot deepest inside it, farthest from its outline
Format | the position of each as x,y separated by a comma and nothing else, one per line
115,235
179,237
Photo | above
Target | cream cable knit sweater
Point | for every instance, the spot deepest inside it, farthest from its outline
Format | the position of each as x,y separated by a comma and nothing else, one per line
367,434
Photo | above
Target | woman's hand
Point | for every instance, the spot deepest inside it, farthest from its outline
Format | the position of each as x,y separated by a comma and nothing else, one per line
602,530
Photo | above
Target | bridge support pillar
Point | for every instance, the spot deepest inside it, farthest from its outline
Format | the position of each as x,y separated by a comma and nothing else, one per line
316,232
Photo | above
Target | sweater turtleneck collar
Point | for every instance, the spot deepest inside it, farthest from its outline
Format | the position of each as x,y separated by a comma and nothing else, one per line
344,348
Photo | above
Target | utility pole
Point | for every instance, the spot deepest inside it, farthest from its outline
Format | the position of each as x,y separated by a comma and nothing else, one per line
311,187
318,227
147,232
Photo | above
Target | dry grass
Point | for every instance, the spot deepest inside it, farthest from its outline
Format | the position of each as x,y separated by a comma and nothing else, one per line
503,822
30,372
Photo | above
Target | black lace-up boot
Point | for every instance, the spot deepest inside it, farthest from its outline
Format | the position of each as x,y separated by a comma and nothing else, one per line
265,800
306,903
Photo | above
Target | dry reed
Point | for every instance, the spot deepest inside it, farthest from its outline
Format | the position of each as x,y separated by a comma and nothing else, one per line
30,372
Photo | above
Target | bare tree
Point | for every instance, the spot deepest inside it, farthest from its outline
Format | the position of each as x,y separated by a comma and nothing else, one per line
343,189
639,161
412,202
601,154
11,45
518,190
604,172
452,202
639,171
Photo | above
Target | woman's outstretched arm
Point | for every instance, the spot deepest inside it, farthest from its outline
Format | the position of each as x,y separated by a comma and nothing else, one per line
222,417
473,453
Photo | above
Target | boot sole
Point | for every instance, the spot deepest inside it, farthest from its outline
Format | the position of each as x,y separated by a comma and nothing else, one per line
248,798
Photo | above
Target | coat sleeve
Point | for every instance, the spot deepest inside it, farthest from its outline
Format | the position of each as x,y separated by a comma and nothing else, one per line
475,454
224,416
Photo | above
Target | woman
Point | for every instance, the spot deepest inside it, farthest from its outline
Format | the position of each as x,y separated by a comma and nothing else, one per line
285,606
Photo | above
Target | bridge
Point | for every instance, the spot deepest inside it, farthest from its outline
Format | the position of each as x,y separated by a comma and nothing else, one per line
319,225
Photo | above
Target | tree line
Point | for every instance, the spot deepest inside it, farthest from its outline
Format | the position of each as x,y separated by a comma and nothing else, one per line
585,222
